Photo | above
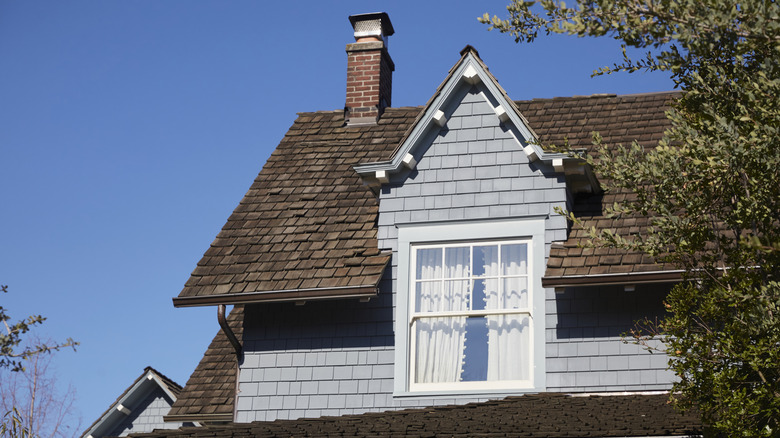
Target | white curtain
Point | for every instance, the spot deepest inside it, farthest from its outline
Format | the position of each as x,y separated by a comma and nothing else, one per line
440,341
508,347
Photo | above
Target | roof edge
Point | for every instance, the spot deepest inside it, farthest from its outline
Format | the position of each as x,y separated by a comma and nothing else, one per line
145,382
198,418
364,291
614,279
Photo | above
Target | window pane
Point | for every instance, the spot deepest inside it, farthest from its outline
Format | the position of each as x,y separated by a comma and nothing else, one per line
475,356
514,260
428,295
455,296
439,348
437,296
485,260
515,293
509,346
486,294
429,263
457,261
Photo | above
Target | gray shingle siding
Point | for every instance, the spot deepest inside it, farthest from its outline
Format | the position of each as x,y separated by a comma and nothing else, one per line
155,406
585,349
337,357
298,363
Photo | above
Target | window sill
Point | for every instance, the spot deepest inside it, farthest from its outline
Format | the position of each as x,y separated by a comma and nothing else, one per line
467,392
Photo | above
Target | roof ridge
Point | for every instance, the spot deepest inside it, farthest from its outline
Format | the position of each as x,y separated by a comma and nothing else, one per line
598,95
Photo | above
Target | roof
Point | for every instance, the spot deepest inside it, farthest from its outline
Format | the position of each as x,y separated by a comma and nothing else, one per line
306,229
319,229
619,120
210,392
524,416
139,388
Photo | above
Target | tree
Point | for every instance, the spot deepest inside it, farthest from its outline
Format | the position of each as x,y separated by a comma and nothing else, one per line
29,402
711,187
34,405
11,340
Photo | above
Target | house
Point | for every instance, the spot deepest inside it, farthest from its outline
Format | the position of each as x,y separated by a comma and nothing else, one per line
392,266
140,408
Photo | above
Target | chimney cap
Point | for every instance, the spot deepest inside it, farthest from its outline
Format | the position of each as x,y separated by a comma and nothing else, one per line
372,24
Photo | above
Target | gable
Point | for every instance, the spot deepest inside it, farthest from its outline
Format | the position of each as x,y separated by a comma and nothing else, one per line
469,72
140,408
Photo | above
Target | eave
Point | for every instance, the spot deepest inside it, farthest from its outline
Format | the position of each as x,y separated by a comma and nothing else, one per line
613,279
294,295
206,419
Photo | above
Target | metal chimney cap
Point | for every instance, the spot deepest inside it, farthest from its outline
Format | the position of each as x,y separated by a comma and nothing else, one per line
372,24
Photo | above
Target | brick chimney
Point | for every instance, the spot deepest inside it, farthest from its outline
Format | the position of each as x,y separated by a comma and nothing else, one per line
369,69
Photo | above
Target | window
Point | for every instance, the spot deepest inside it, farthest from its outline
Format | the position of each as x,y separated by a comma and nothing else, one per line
470,317
466,319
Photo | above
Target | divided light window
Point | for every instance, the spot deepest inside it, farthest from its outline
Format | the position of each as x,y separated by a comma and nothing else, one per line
470,316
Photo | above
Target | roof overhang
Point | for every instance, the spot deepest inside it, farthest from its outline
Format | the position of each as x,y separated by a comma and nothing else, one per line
294,295
614,279
205,419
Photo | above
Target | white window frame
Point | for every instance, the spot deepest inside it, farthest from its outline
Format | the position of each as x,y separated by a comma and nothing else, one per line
528,230
414,315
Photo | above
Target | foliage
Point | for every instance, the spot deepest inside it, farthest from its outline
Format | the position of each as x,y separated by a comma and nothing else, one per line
12,426
10,356
711,187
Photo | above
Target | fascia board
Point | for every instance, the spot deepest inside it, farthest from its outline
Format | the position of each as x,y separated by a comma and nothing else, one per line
162,385
112,413
449,89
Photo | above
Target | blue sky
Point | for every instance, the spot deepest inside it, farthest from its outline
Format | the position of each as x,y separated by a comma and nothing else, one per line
130,130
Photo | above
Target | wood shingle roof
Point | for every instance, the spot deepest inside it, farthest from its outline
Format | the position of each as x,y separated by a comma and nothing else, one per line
306,228
308,223
542,415
619,120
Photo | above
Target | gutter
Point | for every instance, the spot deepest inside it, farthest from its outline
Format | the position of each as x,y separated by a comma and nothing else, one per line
614,279
278,295
199,418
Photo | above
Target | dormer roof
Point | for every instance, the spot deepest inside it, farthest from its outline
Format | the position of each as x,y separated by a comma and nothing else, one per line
470,71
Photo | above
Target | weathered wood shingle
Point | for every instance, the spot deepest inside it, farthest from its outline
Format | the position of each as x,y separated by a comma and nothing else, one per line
210,392
543,415
619,120
307,222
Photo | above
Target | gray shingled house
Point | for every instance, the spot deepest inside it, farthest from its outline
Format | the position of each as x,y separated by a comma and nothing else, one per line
403,271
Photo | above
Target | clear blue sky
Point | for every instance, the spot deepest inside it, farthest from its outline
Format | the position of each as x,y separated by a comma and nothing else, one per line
130,130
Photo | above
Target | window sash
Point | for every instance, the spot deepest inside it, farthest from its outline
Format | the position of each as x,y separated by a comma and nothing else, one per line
499,275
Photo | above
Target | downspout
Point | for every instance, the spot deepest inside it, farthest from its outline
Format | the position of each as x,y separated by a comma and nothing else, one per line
228,332
236,347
